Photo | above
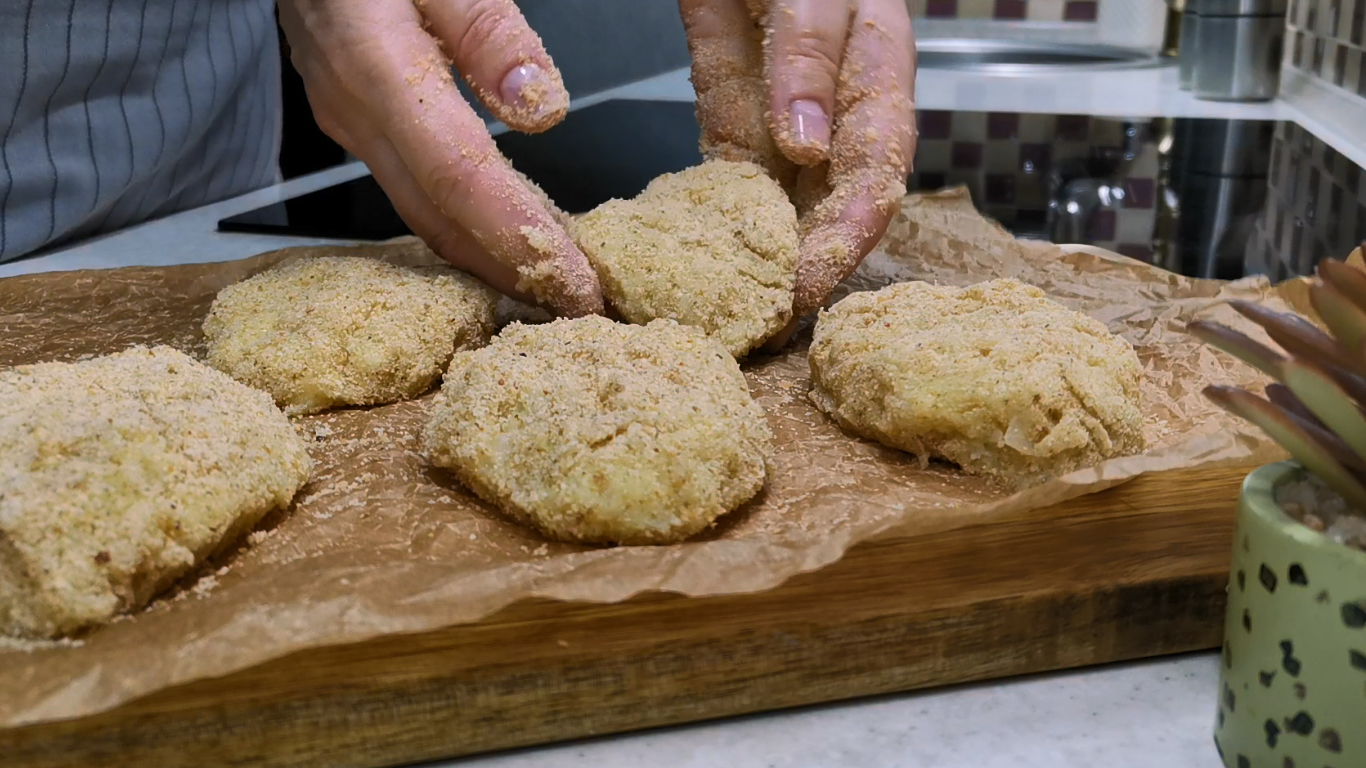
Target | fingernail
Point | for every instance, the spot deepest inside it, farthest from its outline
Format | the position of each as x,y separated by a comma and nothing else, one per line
528,87
810,125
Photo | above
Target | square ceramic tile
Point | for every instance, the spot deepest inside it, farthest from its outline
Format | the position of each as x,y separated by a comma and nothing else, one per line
1002,157
975,9
1136,251
1147,164
930,181
1329,18
1325,51
1045,10
970,126
1140,193
1029,193
941,9
1000,189
934,124
1010,10
1107,133
933,155
1081,10
1361,76
966,156
1073,128
1352,79
1102,225
1135,226
1003,125
1037,128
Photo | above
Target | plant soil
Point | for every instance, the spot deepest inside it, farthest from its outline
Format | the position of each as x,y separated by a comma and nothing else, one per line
1310,501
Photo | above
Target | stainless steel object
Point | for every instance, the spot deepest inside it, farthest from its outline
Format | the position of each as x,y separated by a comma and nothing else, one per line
1215,188
1080,186
1171,32
1190,30
1010,57
1237,49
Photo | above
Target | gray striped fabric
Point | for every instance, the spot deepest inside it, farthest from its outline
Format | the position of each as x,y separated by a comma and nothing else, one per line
113,112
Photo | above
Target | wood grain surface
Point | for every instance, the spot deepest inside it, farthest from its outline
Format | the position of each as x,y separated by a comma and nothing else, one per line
1133,572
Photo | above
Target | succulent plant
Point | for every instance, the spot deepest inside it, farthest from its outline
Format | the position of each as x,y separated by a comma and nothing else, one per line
1316,410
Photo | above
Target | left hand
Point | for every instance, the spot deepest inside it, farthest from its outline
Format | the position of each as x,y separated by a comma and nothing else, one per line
822,94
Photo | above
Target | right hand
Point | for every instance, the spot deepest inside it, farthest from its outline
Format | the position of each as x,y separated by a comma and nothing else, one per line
378,77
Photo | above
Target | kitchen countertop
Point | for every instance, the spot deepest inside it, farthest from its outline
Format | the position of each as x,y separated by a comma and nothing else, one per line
1151,713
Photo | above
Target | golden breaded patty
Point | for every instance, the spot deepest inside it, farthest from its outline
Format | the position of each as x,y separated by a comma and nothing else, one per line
332,331
994,377
713,247
598,432
119,474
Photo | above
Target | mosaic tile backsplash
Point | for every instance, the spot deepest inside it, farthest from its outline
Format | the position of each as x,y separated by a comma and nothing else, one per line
1326,40
1005,160
1010,10
1316,207
1014,165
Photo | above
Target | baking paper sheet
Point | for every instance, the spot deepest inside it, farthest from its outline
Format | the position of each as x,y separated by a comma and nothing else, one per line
379,543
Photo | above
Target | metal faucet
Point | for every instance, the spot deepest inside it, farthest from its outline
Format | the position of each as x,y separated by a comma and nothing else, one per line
1080,186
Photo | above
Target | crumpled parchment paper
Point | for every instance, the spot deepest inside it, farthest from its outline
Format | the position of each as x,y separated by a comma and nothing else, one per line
379,543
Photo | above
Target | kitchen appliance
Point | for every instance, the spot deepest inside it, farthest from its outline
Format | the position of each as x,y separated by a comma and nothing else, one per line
1234,50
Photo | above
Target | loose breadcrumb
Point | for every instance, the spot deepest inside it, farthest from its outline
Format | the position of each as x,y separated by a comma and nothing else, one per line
120,474
331,331
994,377
713,247
598,432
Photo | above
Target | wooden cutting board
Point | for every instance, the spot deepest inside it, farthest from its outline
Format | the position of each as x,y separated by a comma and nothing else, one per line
1133,572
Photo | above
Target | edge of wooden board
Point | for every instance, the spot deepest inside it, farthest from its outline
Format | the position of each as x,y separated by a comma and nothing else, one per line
1132,572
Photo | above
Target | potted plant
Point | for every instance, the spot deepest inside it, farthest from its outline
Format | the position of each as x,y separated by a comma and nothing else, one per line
1292,688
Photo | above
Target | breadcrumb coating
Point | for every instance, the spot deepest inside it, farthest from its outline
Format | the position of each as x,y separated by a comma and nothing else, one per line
599,432
120,474
332,331
713,247
994,377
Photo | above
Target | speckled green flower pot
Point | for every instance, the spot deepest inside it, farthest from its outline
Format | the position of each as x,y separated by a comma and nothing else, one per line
1292,687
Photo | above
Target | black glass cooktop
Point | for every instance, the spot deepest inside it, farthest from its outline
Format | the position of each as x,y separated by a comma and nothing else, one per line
1210,198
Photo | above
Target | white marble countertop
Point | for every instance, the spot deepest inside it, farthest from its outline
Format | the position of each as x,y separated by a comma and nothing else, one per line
1153,713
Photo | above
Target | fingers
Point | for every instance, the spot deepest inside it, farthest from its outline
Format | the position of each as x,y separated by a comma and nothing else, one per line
381,56
804,50
502,59
446,238
870,151
728,77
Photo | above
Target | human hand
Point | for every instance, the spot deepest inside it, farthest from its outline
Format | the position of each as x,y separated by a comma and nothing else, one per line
822,94
378,77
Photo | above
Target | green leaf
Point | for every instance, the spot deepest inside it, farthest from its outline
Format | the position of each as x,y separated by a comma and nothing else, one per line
1304,341
1283,399
1290,436
1345,319
1347,279
1326,400
1299,337
1250,351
